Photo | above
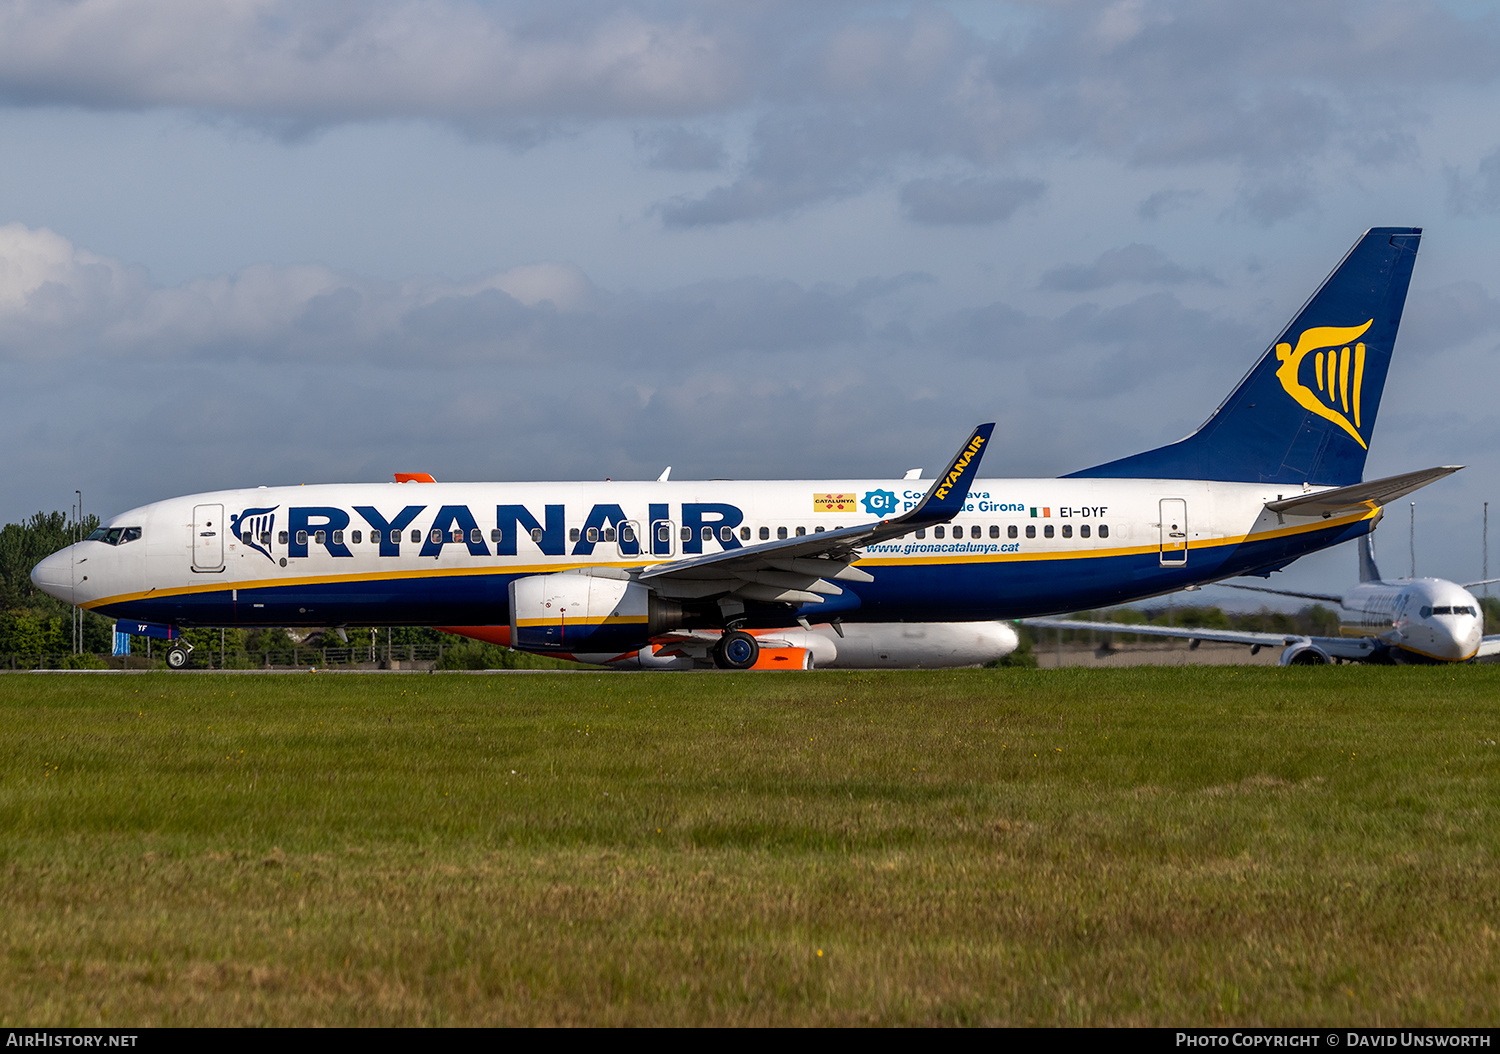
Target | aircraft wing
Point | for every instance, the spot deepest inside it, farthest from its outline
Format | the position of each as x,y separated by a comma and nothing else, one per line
1489,646
801,570
1335,647
1286,592
1361,495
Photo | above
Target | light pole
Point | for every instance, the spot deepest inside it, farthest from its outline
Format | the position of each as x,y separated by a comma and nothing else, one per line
1413,540
78,611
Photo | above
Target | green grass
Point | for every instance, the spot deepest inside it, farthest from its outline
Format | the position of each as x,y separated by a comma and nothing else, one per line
1169,846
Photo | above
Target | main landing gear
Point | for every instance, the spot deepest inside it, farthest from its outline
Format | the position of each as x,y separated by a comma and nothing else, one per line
736,650
177,655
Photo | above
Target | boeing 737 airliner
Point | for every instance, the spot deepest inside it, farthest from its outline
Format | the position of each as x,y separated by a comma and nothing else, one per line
1400,622
600,571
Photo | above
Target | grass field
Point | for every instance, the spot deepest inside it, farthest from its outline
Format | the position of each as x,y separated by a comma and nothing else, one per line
1174,846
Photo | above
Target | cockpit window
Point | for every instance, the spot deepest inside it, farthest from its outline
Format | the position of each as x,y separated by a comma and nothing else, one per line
1457,609
115,535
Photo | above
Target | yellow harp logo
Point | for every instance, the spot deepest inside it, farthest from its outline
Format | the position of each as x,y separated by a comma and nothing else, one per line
1339,372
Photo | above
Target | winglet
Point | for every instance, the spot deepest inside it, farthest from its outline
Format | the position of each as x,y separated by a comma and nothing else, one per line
945,499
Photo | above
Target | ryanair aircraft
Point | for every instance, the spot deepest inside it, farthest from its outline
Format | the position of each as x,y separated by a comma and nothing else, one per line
627,571
1408,621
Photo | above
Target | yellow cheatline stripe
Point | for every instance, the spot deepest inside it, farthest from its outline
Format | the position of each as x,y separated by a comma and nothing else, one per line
604,620
1428,654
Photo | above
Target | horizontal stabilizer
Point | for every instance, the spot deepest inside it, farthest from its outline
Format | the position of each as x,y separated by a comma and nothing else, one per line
1360,495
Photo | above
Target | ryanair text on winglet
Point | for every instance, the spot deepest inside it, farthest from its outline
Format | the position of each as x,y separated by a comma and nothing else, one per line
955,473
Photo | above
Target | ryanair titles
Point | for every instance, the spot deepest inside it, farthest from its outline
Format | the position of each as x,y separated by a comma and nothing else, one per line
956,470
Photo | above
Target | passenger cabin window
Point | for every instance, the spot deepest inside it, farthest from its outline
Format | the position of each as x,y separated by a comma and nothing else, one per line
745,534
687,534
245,537
495,535
338,537
416,535
573,534
356,537
265,538
1067,530
301,537
663,533
627,533
474,536
609,534
921,532
281,538
801,531
1047,531
940,532
321,537
1011,532
396,537
765,533
780,532
437,535
726,534
593,534
994,530
536,535
1103,531
1083,531
1031,530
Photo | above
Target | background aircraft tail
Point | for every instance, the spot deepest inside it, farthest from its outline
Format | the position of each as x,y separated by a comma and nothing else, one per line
1368,572
1306,411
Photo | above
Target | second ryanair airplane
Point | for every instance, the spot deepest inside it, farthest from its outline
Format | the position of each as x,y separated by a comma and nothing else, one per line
599,571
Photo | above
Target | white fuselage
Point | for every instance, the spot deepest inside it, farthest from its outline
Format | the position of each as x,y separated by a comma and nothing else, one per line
443,553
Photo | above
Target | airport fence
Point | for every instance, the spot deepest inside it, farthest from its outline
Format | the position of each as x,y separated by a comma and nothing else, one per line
398,657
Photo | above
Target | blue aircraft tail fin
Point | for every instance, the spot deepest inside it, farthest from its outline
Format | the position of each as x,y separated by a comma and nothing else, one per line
1305,412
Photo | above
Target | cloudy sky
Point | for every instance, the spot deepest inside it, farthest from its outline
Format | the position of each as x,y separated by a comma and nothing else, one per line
264,241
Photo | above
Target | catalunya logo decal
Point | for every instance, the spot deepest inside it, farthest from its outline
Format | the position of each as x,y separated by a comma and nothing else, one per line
1338,373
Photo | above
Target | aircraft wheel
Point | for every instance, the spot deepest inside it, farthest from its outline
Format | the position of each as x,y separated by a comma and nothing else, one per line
736,650
177,658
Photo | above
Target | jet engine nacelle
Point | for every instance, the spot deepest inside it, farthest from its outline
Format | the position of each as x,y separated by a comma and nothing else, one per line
573,612
1305,655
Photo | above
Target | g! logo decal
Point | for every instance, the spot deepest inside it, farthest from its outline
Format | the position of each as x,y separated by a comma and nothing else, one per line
879,502
1338,372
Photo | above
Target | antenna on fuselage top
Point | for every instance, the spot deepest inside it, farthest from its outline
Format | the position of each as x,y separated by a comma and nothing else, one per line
664,474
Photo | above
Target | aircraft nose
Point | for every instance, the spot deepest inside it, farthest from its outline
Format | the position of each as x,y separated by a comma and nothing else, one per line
54,576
